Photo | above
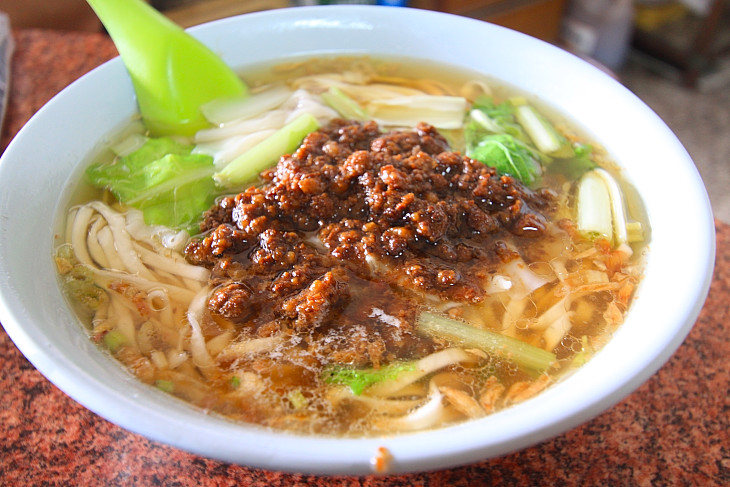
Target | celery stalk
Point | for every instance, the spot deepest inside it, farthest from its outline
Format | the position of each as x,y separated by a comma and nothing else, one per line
243,107
528,357
443,112
620,235
344,105
594,207
542,133
246,167
601,209
634,232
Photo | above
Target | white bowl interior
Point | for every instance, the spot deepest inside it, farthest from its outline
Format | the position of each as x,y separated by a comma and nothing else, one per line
49,152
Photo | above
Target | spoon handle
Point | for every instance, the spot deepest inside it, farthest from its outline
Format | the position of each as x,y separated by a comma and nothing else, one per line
173,73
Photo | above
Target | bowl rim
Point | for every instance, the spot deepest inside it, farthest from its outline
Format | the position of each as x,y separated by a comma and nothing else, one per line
165,419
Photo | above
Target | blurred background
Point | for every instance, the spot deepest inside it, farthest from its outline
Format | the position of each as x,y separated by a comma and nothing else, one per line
673,54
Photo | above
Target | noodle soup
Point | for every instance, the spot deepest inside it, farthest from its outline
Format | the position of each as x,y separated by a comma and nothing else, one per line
433,248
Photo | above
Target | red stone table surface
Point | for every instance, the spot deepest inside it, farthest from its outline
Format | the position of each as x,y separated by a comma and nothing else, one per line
673,430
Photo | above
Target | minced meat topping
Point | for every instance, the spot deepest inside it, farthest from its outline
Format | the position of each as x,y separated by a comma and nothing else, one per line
357,213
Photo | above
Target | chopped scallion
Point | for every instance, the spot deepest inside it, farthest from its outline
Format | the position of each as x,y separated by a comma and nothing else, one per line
165,385
114,340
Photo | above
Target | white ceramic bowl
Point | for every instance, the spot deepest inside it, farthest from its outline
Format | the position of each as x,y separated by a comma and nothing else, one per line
47,155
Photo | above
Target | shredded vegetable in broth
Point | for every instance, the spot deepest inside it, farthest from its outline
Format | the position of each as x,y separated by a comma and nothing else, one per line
358,247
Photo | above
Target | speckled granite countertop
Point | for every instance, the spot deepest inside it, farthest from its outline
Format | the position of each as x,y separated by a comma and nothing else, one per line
674,430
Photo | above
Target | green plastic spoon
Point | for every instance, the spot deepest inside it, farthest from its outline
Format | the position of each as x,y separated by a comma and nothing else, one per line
173,73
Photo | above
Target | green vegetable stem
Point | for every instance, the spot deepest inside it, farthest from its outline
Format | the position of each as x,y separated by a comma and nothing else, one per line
601,211
344,105
360,379
531,359
246,167
545,137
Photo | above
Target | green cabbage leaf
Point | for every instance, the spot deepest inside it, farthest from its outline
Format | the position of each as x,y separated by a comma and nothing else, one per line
164,179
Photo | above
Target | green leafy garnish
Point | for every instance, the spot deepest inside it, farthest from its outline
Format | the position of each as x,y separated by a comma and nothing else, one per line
360,379
494,137
508,155
171,185
489,117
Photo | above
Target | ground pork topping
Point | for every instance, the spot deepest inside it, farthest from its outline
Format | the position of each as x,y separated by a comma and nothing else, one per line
351,210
